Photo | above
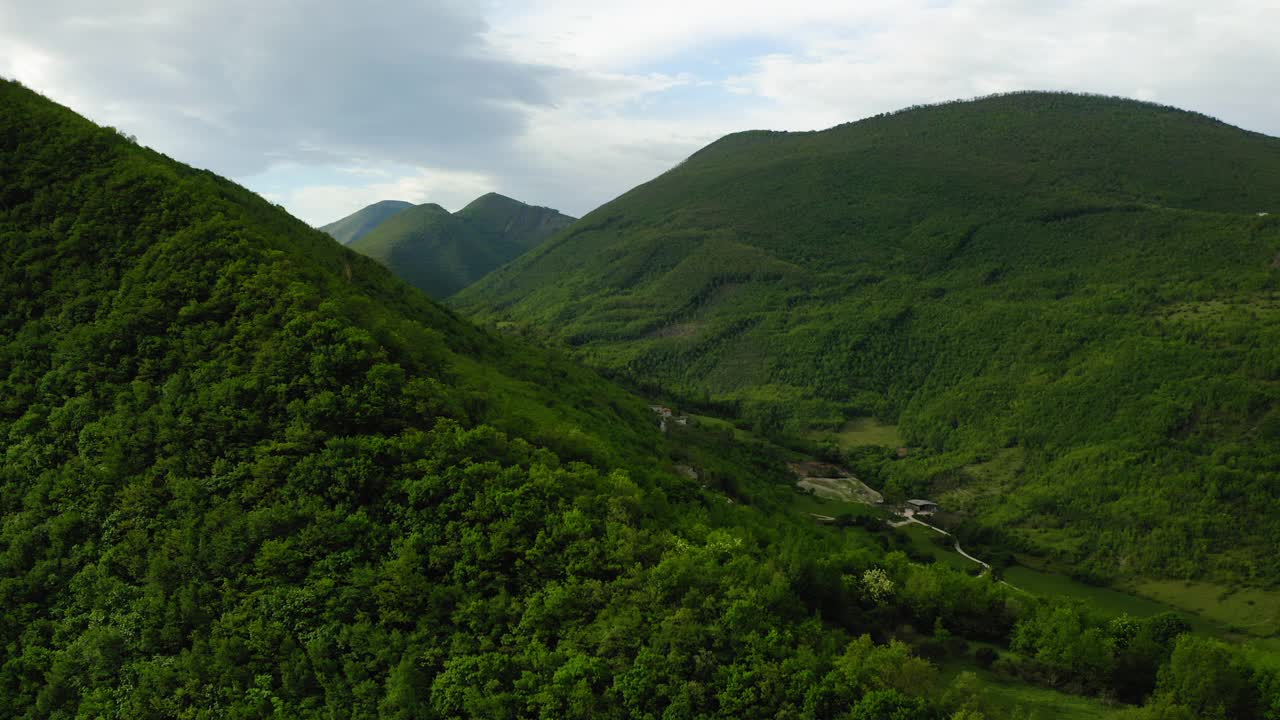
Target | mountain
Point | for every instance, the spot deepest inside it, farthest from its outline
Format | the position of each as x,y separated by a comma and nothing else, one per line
359,223
513,222
441,253
1068,306
246,472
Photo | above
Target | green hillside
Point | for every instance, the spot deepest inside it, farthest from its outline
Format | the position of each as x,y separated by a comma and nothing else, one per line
359,223
247,473
511,221
1068,305
440,253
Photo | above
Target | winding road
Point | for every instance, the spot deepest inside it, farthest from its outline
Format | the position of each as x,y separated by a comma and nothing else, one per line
986,567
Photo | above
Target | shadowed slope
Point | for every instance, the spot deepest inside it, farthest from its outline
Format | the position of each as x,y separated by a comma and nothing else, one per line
358,224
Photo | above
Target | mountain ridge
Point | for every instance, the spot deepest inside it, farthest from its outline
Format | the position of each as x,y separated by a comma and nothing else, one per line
246,472
1021,276
441,252
358,224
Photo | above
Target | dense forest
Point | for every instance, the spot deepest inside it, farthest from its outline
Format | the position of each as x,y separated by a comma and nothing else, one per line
440,252
247,473
1082,291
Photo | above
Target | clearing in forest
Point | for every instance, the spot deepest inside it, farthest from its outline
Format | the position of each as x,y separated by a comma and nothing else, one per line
831,482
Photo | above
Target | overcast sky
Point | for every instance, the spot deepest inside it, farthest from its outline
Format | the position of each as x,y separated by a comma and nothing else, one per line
328,105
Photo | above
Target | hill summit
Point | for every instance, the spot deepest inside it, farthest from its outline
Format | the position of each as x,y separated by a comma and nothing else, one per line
358,224
441,252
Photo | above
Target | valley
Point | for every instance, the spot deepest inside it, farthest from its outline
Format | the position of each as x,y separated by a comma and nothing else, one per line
647,467
1237,613
1068,329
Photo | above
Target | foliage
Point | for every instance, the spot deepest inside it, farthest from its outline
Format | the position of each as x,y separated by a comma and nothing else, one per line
1210,679
244,472
1086,281
440,253
247,473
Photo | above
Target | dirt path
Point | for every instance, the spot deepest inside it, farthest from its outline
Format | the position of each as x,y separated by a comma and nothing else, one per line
986,567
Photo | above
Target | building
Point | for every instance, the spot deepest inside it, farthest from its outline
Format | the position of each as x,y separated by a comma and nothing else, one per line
922,506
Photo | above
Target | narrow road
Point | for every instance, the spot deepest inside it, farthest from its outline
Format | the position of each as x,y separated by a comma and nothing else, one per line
986,567
962,552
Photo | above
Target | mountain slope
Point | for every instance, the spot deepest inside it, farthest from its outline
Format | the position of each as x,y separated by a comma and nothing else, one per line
441,253
359,223
244,472
1078,291
511,221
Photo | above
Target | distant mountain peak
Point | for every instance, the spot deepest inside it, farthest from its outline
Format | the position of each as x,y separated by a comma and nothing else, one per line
358,224
493,200
441,252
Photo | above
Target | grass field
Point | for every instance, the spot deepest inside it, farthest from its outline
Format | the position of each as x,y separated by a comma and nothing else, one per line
925,541
1236,615
1106,600
719,424
1247,611
862,431
1006,698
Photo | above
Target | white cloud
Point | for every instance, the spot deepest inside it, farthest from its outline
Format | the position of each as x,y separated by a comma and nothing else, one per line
618,35
321,204
1214,60
831,62
569,103
238,85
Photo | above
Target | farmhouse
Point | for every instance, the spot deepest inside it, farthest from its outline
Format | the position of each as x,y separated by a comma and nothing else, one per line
922,506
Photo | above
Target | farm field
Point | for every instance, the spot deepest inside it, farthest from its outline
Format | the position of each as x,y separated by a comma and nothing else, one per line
1248,611
862,431
1106,600
1009,698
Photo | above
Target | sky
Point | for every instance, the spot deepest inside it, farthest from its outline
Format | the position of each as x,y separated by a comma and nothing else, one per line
325,106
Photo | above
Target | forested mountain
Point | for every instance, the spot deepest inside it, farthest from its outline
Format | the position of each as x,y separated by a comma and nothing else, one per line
359,223
1069,304
246,473
440,252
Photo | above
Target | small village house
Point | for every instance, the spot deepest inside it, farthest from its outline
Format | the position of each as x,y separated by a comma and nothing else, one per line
922,506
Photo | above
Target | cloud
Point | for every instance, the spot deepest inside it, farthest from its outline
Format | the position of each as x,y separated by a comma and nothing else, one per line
239,85
569,103
829,62
1218,60
354,188
808,65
